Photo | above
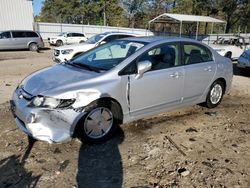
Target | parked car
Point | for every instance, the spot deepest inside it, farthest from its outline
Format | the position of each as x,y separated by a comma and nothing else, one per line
231,47
244,61
20,39
67,38
118,82
68,52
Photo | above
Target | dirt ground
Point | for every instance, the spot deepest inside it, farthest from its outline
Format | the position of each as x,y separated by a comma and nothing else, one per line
190,147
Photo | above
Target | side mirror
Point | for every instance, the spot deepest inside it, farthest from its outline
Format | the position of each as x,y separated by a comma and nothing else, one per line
103,42
142,67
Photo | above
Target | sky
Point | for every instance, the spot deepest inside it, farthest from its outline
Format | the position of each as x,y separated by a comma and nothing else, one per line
37,5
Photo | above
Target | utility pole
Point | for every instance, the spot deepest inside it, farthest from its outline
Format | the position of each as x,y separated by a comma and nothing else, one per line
104,13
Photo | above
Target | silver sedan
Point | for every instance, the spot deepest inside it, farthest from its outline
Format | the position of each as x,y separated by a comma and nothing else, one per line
119,82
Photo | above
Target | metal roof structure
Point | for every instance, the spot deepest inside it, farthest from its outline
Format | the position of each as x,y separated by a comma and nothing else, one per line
185,18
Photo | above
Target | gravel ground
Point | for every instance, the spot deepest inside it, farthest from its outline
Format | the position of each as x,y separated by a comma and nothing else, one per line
190,147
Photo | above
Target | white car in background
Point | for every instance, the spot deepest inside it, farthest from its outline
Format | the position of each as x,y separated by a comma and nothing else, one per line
231,47
67,38
65,53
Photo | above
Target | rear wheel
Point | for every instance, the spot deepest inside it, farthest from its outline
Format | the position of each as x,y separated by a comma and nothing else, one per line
33,47
228,55
81,41
99,124
59,43
215,94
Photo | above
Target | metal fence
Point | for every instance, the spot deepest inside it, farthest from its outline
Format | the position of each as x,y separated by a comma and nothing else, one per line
51,29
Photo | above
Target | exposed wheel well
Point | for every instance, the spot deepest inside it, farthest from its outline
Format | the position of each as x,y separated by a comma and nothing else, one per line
228,54
116,104
224,83
32,43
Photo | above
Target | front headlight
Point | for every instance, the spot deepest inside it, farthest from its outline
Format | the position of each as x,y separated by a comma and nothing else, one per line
49,102
68,51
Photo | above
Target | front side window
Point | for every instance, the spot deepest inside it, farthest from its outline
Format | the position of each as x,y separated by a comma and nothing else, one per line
162,57
194,53
77,35
69,35
94,39
5,35
109,55
110,38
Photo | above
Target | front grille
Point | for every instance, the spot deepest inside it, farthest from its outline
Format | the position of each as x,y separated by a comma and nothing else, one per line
56,52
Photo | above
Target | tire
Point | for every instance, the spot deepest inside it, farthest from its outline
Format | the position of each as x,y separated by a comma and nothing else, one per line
228,55
59,43
33,47
215,94
95,131
82,41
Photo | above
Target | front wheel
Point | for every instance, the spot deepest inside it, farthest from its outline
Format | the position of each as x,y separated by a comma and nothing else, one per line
59,43
215,94
99,124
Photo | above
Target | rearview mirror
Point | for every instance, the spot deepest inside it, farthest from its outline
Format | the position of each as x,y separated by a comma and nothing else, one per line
142,67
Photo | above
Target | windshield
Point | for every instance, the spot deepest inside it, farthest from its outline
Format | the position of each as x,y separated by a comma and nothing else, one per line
107,56
94,39
62,34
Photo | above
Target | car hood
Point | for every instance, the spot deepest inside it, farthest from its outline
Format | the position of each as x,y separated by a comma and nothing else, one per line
82,46
54,77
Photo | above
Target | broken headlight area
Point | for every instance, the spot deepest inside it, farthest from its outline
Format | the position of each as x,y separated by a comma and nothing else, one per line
49,102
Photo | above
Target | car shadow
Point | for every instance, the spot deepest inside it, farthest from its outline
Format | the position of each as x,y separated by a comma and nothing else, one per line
238,72
101,165
13,173
26,50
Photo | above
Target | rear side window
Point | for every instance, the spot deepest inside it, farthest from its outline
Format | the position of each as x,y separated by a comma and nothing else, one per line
194,53
124,36
24,34
5,35
77,35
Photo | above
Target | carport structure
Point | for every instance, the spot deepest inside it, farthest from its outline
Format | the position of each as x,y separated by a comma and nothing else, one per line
184,18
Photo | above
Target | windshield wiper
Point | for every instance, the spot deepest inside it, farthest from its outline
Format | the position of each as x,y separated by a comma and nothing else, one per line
86,67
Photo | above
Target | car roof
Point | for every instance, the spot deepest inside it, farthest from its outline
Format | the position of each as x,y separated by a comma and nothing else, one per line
118,33
18,31
151,39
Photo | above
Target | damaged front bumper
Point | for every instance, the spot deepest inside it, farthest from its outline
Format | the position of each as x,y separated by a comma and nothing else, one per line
51,125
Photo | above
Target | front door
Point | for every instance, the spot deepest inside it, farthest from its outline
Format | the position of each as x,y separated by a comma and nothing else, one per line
162,86
5,40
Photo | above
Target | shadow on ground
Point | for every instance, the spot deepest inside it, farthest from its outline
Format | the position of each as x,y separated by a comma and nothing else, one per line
13,173
101,165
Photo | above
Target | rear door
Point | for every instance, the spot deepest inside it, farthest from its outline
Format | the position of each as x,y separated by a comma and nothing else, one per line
199,68
20,39
6,40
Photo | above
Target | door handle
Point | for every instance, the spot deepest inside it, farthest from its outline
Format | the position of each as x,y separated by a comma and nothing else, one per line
175,75
209,69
